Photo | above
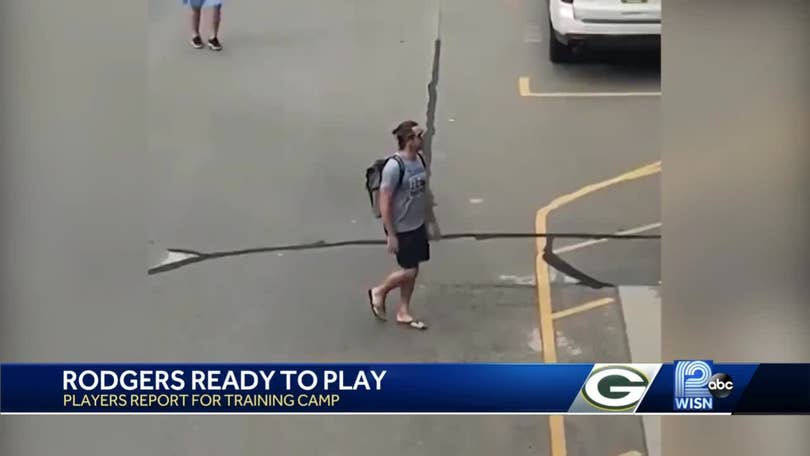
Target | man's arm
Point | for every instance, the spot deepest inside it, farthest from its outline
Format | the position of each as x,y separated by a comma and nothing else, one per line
386,200
388,185
430,215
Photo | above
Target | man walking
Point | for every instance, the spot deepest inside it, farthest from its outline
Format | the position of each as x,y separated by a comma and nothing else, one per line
406,208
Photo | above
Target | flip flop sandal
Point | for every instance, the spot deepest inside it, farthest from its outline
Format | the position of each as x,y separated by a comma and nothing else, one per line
413,324
374,309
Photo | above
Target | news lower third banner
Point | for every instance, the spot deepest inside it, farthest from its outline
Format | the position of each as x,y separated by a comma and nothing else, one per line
683,387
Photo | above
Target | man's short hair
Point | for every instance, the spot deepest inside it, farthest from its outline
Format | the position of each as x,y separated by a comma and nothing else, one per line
404,132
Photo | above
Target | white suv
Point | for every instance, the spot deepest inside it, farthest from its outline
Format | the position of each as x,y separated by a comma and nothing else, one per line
614,23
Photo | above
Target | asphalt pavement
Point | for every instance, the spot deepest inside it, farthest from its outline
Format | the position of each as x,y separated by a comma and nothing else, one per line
265,144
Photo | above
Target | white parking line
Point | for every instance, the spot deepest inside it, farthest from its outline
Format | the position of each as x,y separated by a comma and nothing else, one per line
174,257
637,230
532,34
524,89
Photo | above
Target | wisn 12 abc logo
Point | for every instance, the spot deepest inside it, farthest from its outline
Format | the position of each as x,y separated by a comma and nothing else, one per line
696,386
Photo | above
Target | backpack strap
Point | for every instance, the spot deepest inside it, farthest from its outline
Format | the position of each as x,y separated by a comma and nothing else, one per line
401,165
422,159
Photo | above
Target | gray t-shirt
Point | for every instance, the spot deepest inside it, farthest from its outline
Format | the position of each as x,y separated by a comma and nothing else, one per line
410,199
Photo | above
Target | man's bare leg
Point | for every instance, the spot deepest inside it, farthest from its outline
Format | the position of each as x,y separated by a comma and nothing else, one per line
406,291
216,18
394,280
195,21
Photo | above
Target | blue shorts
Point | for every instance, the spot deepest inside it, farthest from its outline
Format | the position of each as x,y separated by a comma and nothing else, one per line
202,3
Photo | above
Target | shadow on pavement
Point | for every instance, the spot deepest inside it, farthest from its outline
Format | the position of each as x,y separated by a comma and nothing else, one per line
641,60
610,65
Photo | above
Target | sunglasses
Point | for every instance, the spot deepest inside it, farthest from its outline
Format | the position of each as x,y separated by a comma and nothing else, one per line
416,135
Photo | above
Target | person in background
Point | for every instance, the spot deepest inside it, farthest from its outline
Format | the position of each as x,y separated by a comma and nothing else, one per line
406,207
215,7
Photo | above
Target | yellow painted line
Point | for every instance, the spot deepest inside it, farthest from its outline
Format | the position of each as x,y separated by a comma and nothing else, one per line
582,308
556,427
524,88
632,453
545,312
638,173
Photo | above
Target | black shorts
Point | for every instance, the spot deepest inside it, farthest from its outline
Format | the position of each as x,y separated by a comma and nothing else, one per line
414,248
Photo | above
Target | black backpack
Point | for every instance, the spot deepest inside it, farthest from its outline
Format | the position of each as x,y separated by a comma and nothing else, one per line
374,178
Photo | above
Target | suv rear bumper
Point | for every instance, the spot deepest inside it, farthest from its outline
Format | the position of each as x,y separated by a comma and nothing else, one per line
611,41
567,28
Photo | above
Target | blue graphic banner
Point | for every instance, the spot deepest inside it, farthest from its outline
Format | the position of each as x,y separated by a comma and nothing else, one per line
685,387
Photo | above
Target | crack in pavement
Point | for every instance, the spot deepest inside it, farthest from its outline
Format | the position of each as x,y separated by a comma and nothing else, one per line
433,96
552,259
555,261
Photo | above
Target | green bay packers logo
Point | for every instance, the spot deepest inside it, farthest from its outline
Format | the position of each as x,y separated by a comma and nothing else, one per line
615,388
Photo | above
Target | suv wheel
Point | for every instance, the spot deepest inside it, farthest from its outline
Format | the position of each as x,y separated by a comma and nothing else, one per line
558,52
